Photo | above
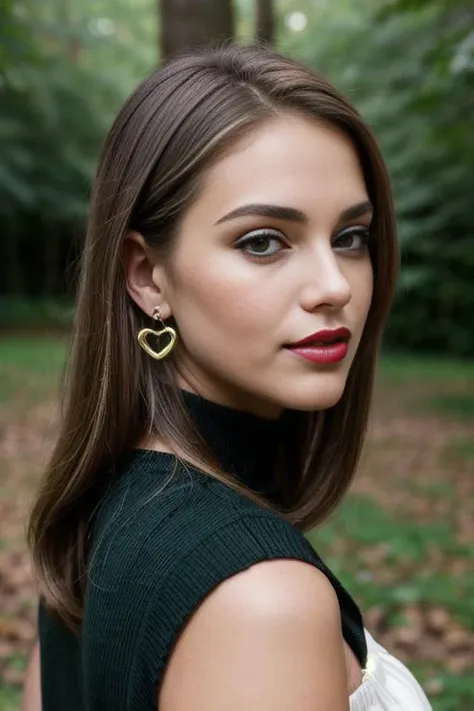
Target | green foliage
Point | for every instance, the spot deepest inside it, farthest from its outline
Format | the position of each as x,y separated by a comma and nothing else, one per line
407,64
55,108
409,67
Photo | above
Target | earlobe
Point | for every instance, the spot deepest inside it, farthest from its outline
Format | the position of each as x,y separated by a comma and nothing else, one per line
144,278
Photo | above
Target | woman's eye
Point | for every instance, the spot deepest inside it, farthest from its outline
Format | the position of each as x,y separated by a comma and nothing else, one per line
261,244
353,239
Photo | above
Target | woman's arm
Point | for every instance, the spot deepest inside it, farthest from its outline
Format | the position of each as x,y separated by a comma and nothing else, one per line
32,689
267,639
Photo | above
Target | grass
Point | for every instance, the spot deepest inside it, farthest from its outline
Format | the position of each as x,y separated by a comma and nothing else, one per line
41,355
460,406
10,698
401,542
407,546
29,368
395,369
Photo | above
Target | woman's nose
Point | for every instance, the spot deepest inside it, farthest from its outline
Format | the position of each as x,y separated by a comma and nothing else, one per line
327,285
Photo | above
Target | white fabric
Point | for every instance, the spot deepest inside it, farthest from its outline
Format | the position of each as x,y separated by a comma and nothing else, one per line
387,684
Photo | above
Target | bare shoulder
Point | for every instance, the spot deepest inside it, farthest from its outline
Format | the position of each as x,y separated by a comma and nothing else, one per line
268,638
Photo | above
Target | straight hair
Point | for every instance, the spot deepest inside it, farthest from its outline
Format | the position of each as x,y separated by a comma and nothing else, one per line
176,125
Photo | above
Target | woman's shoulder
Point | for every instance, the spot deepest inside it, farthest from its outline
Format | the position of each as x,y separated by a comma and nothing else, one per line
159,553
172,536
283,612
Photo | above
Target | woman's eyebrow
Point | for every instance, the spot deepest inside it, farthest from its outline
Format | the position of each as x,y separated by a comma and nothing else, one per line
358,210
279,212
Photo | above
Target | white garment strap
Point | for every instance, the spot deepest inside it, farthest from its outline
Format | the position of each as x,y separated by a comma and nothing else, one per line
388,685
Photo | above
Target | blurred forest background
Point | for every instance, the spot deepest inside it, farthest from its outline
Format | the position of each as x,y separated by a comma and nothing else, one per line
65,68
403,542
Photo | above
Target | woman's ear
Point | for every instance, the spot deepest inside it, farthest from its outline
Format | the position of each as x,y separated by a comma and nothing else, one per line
145,279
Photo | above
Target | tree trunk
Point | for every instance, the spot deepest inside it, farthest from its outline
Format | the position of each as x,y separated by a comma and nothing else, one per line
265,22
192,23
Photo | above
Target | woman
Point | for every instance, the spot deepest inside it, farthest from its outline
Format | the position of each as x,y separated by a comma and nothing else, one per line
239,265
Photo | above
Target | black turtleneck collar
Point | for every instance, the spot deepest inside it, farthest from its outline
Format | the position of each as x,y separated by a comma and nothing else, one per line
245,445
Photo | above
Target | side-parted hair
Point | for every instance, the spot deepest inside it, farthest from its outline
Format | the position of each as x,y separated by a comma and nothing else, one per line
177,124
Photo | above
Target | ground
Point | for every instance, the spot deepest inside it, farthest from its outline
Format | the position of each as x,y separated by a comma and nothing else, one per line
402,542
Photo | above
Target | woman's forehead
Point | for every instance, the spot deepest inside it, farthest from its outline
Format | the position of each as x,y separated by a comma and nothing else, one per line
293,161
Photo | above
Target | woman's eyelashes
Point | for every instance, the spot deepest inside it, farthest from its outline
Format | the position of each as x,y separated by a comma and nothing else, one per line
262,244
265,244
352,239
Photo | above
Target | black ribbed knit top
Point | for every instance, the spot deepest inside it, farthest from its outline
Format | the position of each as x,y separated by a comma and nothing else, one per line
164,537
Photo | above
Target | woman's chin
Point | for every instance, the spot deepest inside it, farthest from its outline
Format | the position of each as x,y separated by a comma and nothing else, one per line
318,396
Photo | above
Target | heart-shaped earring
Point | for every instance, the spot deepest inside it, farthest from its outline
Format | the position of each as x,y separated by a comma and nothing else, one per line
166,330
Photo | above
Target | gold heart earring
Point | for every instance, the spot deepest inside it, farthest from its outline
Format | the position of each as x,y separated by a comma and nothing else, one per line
145,332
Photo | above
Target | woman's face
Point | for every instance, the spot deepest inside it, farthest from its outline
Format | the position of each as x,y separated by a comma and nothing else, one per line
274,250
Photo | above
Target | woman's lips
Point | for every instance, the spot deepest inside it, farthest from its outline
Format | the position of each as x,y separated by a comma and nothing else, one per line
326,346
328,353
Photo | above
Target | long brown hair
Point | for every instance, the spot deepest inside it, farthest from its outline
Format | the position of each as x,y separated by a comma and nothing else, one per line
174,126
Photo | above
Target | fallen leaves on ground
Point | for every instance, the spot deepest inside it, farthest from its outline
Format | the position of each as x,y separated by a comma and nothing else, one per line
405,471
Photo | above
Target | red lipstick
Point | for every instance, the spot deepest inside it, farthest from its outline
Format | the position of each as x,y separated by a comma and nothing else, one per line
326,346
